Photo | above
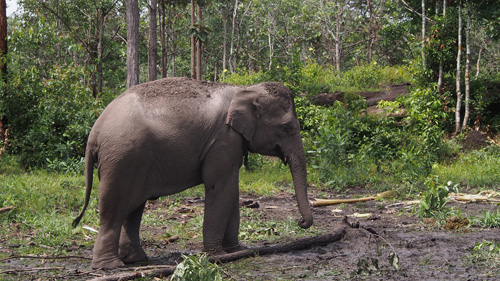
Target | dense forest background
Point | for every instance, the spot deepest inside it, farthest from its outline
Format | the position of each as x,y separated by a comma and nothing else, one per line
66,60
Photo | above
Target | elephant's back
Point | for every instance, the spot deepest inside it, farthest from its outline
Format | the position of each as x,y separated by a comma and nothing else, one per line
175,87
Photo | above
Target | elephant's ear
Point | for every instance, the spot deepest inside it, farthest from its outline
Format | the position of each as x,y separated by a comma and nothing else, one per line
242,113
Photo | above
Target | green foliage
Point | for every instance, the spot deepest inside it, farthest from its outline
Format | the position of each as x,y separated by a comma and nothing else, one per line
488,219
197,268
49,117
434,198
479,168
350,147
243,77
485,253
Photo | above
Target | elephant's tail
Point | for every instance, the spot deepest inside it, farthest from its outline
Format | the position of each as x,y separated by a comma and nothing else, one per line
89,178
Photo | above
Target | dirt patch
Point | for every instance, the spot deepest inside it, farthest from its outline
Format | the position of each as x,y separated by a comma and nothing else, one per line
475,140
425,251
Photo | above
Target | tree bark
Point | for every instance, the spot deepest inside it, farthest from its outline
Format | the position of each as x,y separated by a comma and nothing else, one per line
132,17
338,25
199,47
153,45
423,33
441,61
459,58
3,38
193,45
467,68
163,42
232,60
478,62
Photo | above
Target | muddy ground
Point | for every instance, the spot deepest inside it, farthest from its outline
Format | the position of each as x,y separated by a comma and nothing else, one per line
425,250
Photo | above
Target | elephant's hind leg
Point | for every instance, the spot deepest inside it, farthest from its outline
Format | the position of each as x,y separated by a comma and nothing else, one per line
105,252
130,249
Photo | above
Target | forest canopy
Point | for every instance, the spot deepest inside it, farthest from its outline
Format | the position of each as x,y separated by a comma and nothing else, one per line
66,60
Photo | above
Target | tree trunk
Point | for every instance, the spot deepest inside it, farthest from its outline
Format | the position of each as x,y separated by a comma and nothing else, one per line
459,57
163,42
173,47
338,25
193,45
132,16
224,46
199,47
370,30
153,45
423,33
99,56
467,69
441,60
478,61
3,38
232,62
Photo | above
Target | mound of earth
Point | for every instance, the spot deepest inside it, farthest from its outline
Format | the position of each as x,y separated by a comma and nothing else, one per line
475,140
371,97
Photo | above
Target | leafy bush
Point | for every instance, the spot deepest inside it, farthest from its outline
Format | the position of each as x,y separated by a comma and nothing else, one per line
435,198
350,147
197,268
49,117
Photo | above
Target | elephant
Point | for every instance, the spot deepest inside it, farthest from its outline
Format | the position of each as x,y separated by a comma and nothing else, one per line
162,137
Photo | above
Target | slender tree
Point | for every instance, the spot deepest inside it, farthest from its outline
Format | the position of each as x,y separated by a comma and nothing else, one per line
441,60
132,16
3,37
199,45
153,45
193,42
163,42
423,33
467,68
459,58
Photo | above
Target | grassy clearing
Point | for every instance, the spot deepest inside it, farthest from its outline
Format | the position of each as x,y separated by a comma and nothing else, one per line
477,168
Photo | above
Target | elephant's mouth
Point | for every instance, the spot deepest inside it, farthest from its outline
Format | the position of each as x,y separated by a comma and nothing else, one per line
280,154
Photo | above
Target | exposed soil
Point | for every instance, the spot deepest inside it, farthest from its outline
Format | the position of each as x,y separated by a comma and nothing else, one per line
425,250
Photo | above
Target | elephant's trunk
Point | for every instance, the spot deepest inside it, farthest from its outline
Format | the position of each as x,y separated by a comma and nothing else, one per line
297,163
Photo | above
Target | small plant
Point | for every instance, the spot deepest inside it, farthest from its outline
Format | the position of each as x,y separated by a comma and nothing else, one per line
486,253
197,268
488,219
435,198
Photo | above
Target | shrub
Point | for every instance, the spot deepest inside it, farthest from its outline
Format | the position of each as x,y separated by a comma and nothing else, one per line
49,117
197,268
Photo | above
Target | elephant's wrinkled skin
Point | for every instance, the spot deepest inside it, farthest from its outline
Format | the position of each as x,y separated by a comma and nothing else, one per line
165,136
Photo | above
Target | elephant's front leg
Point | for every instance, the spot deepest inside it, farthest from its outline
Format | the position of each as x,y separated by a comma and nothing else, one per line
222,219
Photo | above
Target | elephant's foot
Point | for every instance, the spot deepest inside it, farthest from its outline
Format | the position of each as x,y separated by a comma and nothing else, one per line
106,263
132,254
215,251
235,248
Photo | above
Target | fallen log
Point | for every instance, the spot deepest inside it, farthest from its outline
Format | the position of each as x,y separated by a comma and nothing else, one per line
326,202
299,244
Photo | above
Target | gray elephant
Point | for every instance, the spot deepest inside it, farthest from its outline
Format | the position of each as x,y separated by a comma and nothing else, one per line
162,137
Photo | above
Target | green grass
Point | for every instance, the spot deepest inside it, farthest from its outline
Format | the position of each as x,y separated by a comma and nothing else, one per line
487,219
478,168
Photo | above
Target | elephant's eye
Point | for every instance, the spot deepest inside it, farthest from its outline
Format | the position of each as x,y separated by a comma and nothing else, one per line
285,129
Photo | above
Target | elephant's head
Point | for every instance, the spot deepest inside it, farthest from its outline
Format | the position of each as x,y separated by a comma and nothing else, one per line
265,115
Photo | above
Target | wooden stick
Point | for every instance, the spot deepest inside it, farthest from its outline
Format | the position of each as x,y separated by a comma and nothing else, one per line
5,209
299,244
14,270
326,202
